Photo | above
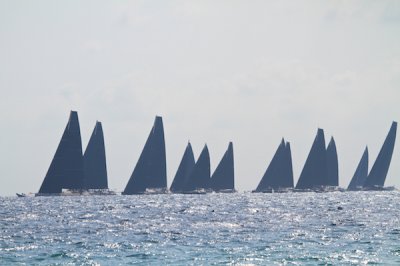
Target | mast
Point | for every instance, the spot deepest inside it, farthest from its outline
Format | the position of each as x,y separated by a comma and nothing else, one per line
314,173
332,164
66,169
95,160
273,173
199,177
224,176
361,173
150,171
185,167
379,170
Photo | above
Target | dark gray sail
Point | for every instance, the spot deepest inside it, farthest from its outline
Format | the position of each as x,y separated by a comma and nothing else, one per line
273,175
314,173
150,171
379,170
66,169
185,167
287,169
223,177
332,164
199,177
361,173
95,161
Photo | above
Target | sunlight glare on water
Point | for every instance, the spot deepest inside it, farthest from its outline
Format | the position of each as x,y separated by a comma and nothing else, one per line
241,228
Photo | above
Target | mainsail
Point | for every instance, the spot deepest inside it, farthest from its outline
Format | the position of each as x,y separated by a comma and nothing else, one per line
150,171
279,173
361,173
223,177
332,164
379,170
273,174
95,161
287,176
199,177
314,173
66,169
185,167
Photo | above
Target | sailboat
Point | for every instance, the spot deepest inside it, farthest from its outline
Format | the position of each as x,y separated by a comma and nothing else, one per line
332,164
377,175
198,181
150,173
185,167
66,170
95,166
361,173
223,178
314,176
279,175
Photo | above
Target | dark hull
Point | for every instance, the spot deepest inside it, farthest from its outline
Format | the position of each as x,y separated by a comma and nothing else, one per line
47,194
377,188
197,191
225,191
149,191
321,189
271,190
80,192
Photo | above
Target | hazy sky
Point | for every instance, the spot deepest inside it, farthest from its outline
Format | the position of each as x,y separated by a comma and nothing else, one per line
250,72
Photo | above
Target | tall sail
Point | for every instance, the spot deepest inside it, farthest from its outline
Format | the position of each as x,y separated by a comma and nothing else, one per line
184,169
199,177
66,169
150,171
332,164
95,160
314,173
379,170
223,177
287,169
273,174
361,173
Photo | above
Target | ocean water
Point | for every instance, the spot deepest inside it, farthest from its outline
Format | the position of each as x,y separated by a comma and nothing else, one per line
239,229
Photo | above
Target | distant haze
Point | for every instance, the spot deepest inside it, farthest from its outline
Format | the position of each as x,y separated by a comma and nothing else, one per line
250,72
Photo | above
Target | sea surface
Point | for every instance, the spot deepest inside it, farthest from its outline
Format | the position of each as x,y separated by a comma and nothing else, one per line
238,229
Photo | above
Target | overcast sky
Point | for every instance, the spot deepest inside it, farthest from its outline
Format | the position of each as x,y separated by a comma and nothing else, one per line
250,72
